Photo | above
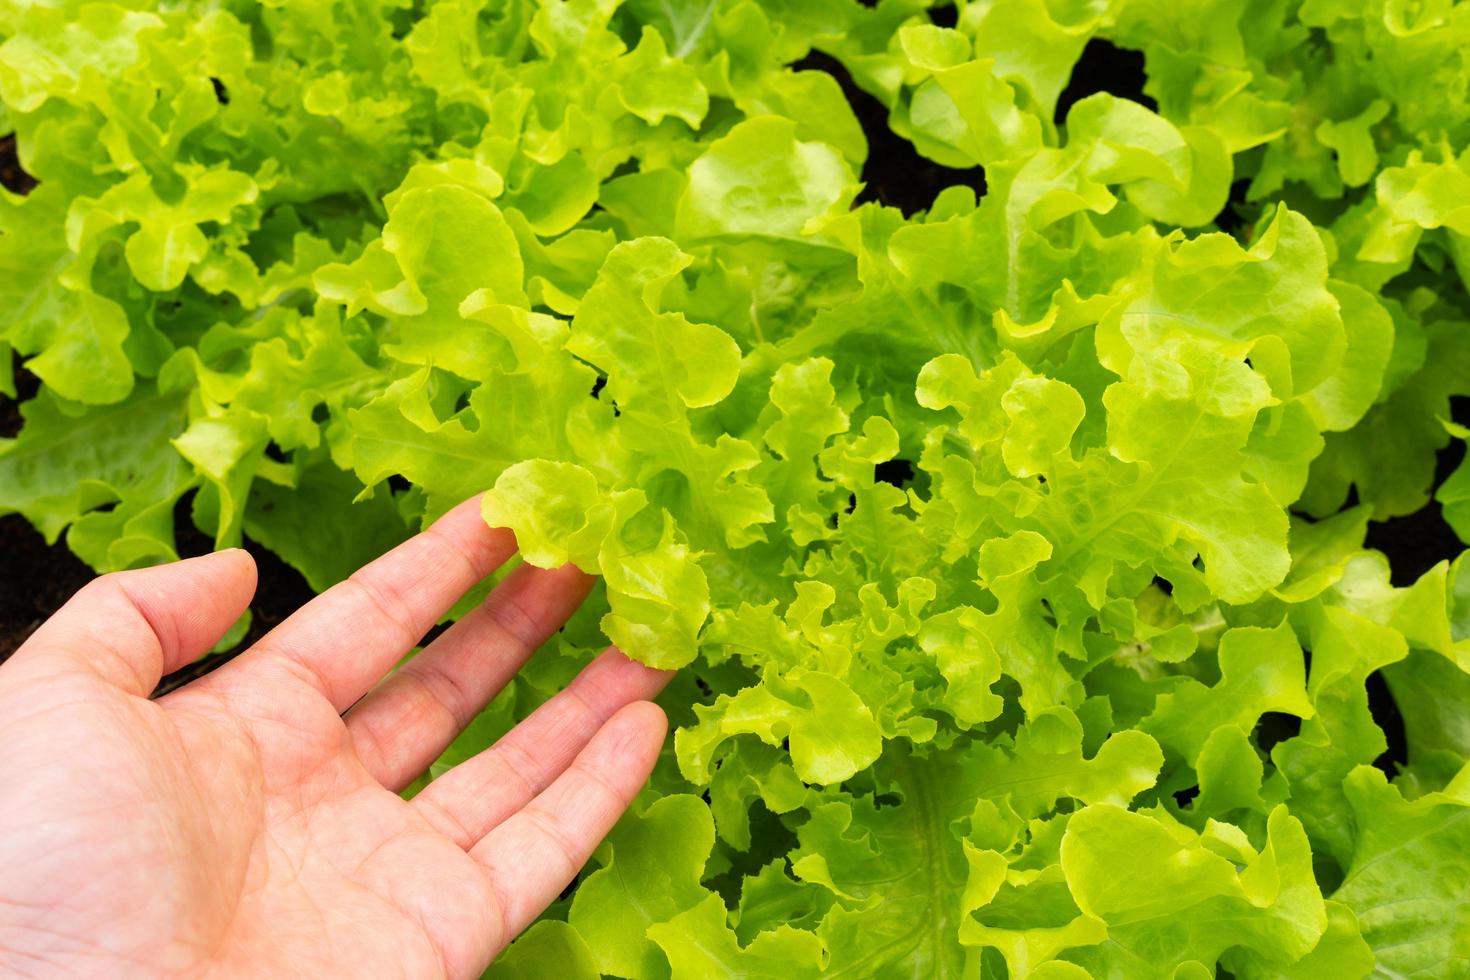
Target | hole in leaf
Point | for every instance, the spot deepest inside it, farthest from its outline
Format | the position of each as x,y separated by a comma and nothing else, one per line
221,94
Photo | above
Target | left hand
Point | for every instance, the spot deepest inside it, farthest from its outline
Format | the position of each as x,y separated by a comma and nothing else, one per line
249,824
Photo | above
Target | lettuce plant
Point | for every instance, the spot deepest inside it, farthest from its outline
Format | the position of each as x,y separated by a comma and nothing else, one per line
1013,549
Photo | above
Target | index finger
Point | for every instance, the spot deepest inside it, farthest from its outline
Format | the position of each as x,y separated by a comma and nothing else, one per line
348,637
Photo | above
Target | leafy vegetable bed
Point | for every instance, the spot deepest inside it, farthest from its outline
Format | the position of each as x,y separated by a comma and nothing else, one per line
1002,413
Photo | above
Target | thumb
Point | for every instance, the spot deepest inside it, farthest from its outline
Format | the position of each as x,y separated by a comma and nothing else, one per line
133,627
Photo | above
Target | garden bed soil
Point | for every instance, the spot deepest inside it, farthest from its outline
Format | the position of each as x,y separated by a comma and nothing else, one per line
36,579
12,177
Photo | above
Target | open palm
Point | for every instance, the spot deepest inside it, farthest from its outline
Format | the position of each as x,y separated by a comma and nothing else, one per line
244,825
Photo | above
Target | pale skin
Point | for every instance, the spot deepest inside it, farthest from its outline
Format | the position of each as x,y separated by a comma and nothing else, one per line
249,824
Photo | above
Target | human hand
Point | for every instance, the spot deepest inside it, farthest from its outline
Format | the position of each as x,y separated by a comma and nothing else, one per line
244,825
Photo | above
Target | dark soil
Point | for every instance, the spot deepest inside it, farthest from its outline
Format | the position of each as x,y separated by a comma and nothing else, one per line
1104,67
26,386
894,174
36,579
1388,717
1417,542
1414,543
12,177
